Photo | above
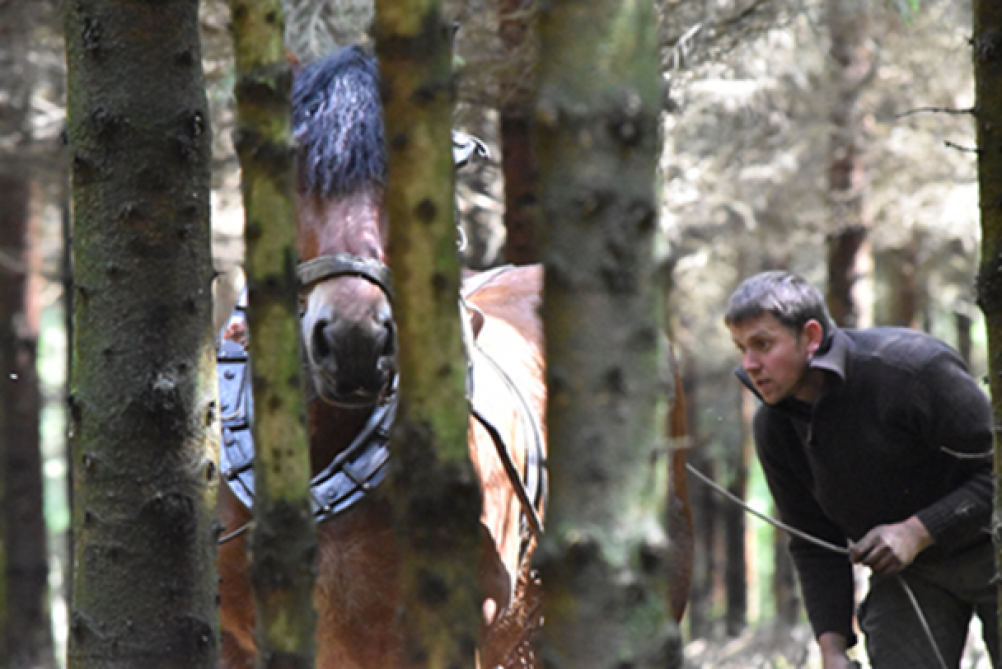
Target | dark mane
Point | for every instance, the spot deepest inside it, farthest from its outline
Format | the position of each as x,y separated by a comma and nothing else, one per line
337,120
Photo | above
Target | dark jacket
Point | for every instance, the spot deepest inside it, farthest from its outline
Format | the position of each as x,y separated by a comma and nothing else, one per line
900,429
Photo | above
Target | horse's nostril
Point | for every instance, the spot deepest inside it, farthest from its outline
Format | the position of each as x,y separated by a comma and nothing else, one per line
321,345
390,340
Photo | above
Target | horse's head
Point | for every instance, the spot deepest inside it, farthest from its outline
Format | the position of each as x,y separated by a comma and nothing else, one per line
347,320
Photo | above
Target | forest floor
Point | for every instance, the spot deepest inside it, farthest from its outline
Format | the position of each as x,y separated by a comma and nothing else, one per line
773,646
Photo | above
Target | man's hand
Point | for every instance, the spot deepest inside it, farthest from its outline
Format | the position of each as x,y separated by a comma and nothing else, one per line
887,549
833,647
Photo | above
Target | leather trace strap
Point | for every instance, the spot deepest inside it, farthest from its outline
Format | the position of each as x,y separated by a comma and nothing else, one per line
343,264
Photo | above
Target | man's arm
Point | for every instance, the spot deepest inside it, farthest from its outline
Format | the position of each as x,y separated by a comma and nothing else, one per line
833,651
825,577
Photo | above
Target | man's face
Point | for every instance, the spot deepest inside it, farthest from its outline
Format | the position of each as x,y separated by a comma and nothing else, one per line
773,357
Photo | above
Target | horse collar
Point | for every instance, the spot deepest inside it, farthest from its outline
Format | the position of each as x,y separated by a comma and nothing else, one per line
353,473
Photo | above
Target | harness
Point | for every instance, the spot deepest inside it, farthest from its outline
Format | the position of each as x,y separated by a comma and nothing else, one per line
363,465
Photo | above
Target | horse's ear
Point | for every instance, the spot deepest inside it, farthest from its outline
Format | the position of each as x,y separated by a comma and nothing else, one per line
293,61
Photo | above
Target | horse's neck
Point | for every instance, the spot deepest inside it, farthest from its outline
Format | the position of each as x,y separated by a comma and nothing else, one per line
332,430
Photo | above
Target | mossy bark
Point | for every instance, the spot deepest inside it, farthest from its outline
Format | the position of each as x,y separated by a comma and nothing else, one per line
283,543
143,405
435,492
602,560
987,56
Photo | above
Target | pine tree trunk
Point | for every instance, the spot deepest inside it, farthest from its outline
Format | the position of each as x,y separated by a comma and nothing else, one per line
735,569
902,286
987,54
26,633
784,581
849,261
704,513
596,125
283,544
435,494
143,406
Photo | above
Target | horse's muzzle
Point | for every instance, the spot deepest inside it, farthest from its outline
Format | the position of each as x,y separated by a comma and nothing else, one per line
352,357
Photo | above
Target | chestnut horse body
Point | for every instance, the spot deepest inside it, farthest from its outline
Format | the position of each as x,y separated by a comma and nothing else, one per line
349,346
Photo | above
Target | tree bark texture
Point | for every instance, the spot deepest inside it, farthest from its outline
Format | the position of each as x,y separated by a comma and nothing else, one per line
435,493
851,66
143,405
283,544
596,123
25,626
987,55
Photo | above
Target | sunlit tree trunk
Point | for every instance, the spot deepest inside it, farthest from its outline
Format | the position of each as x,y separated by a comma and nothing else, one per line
987,54
851,67
435,493
283,543
143,406
596,124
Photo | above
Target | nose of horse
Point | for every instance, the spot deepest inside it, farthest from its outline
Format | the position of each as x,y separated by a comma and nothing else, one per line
356,356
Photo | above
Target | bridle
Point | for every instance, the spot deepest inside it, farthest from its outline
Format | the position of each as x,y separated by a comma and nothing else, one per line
337,265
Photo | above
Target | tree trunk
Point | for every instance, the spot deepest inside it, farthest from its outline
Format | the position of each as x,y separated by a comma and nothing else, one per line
283,544
26,639
903,294
987,52
784,581
596,125
143,408
25,627
852,67
704,511
735,569
963,323
435,494
518,155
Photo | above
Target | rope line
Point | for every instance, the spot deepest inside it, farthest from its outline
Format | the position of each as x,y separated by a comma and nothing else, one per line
841,550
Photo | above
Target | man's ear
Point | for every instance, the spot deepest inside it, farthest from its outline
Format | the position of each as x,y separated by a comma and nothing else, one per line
813,333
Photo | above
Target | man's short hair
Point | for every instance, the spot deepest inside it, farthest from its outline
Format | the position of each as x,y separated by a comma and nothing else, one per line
786,296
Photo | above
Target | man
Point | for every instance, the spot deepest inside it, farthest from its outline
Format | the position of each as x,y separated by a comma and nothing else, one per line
880,441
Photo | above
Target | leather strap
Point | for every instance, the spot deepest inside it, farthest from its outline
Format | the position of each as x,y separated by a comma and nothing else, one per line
343,264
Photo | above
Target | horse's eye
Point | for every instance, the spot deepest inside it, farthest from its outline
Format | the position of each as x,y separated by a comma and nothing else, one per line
302,305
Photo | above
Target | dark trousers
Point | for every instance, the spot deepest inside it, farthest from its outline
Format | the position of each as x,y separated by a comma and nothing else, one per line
949,592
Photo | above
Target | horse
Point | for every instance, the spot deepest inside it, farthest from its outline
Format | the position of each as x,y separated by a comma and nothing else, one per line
349,348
